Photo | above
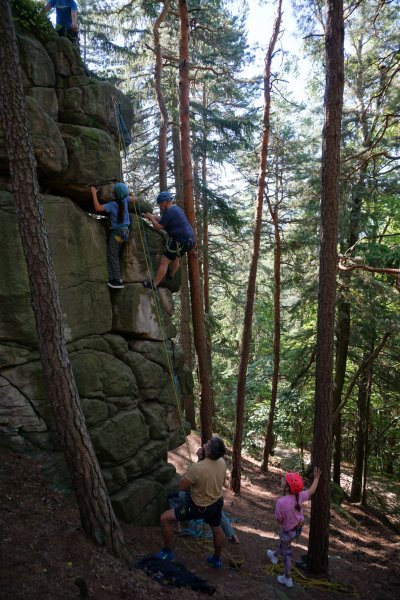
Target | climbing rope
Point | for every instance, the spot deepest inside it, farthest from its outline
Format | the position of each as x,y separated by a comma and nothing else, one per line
122,131
308,582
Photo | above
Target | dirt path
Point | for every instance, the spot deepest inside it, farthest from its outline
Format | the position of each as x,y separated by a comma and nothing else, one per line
43,551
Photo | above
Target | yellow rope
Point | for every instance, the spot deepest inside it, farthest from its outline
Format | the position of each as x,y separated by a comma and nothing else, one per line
308,582
156,301
201,545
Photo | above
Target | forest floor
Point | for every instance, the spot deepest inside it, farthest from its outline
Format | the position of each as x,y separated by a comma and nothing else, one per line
45,555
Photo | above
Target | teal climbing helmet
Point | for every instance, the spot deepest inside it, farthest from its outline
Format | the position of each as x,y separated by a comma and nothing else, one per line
121,191
164,197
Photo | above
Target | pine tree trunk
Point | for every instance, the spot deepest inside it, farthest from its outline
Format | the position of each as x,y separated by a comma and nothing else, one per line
364,389
206,266
97,516
251,284
162,138
333,102
274,212
344,316
199,334
342,347
186,339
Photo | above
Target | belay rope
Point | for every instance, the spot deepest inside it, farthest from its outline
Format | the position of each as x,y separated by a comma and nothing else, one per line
122,134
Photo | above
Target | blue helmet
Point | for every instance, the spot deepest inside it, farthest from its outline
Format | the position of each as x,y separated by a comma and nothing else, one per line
121,191
164,197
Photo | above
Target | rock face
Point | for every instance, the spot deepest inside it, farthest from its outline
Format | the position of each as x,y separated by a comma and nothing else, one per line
119,341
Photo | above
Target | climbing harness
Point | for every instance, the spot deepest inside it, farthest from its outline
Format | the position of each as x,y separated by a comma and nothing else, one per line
122,130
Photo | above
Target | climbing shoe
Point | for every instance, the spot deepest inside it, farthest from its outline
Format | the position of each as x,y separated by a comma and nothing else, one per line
115,284
164,554
285,580
149,285
272,557
214,561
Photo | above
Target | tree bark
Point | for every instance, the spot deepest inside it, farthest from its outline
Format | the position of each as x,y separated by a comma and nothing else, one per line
186,340
97,516
162,138
364,390
274,212
251,284
199,334
333,103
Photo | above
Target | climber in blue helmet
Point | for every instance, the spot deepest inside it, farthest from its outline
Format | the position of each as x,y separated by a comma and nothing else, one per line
180,236
117,211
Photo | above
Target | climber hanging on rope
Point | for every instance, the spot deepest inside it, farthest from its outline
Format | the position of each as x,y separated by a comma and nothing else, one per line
181,237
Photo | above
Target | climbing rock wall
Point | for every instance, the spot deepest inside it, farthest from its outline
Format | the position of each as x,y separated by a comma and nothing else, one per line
120,352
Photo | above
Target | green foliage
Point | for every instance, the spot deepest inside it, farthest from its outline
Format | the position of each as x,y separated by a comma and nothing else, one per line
31,17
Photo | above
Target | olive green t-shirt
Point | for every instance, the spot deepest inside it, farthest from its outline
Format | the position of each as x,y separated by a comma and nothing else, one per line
207,478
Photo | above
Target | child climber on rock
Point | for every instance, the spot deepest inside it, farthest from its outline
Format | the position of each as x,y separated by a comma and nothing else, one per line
117,211
290,516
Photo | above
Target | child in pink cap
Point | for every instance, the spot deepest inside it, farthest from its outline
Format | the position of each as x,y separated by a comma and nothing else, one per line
290,516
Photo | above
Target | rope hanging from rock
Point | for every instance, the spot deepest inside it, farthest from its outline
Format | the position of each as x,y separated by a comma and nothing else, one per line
122,130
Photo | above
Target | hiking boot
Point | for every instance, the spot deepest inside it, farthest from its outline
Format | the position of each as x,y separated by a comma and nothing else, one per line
285,580
214,561
234,539
149,285
164,554
116,284
272,557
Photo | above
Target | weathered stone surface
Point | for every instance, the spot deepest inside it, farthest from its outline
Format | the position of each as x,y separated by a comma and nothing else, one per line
129,396
120,437
144,460
29,380
163,354
36,63
92,103
164,473
12,354
102,376
85,299
47,100
138,498
48,145
93,155
135,311
93,342
155,415
95,411
115,478
16,411
65,57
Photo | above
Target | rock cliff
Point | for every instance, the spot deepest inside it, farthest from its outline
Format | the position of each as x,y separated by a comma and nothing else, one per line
119,347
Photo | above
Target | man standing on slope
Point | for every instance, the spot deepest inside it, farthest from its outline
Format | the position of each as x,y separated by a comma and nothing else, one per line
204,480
